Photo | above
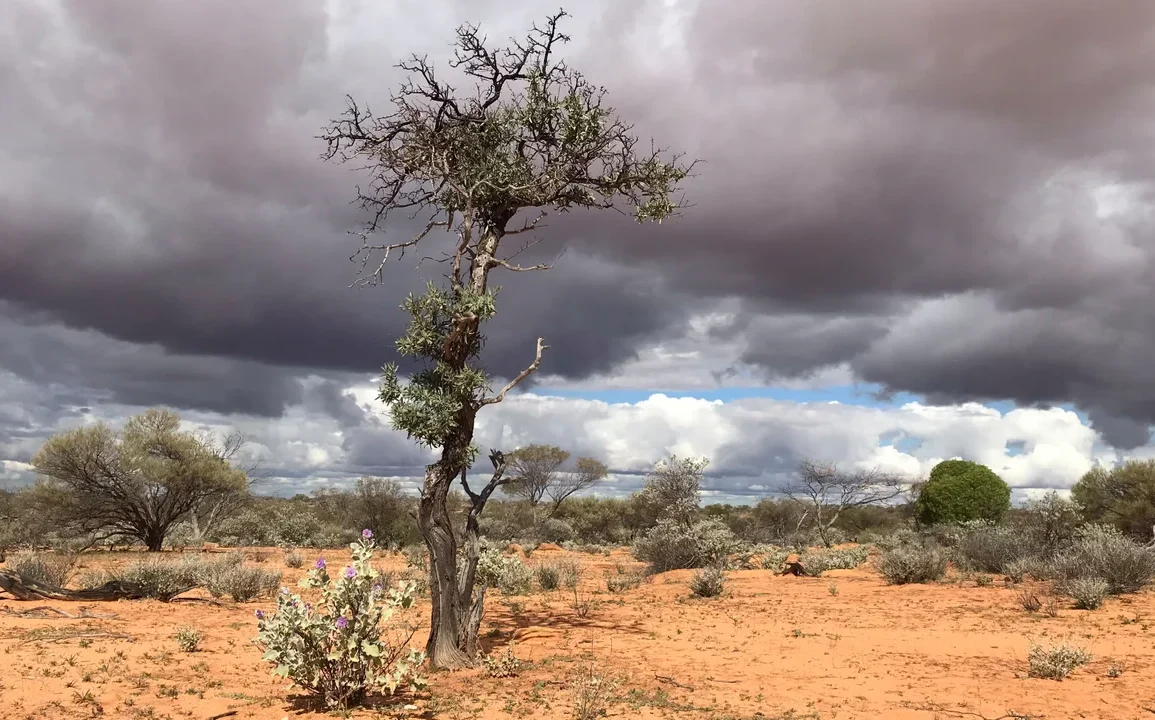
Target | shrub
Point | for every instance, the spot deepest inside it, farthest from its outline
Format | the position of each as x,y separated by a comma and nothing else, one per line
294,560
1050,524
157,579
1102,551
1017,570
188,639
92,579
506,573
1087,592
242,583
1055,662
555,531
337,649
771,557
416,557
905,564
897,539
548,576
987,547
622,582
49,568
502,665
671,545
592,695
708,583
571,574
960,490
1030,601
816,563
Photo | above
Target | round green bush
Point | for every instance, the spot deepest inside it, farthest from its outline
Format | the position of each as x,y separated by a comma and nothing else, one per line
960,491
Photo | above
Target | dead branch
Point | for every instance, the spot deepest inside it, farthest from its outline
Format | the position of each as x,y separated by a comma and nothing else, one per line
1009,715
225,714
365,252
520,376
672,681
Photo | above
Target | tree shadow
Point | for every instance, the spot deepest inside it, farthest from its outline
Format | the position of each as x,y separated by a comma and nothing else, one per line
510,622
385,705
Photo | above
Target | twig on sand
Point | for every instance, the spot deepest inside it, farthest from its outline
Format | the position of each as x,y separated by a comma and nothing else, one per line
672,681
1009,715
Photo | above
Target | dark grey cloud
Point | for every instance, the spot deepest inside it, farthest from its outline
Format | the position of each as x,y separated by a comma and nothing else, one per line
166,189
906,188
89,368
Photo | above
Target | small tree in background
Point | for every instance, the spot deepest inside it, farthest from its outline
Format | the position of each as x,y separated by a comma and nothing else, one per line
533,135
1123,496
137,484
536,473
587,472
826,492
532,471
960,490
672,490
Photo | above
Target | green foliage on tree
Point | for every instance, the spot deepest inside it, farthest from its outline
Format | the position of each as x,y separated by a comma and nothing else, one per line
959,491
1123,496
134,484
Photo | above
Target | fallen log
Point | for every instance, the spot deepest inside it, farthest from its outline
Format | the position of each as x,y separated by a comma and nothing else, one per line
28,589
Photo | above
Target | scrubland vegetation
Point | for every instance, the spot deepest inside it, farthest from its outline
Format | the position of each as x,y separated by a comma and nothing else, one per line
346,632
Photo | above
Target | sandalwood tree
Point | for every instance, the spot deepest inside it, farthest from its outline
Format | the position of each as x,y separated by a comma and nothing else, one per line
532,137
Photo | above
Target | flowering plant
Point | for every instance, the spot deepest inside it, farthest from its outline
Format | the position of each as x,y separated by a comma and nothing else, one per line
337,649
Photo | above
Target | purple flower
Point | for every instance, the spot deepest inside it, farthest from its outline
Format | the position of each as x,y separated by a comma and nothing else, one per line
260,614
350,572
377,588
320,564
284,591
342,623
367,534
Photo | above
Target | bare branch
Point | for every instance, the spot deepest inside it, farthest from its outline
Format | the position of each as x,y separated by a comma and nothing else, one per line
366,252
541,347
498,262
829,492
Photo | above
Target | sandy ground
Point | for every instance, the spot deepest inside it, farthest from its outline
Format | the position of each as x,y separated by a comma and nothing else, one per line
842,646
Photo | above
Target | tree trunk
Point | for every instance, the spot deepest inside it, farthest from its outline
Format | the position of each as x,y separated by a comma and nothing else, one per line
442,648
154,539
454,609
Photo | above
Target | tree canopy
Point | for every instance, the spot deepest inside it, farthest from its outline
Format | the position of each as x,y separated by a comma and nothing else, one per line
961,490
1123,496
137,483
536,472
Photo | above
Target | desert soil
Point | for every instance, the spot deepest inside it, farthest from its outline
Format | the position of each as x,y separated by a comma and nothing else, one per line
845,645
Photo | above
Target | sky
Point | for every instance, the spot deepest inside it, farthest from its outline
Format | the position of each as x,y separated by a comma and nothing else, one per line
921,229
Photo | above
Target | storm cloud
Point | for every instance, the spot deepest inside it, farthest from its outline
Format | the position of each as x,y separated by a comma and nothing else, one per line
944,198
